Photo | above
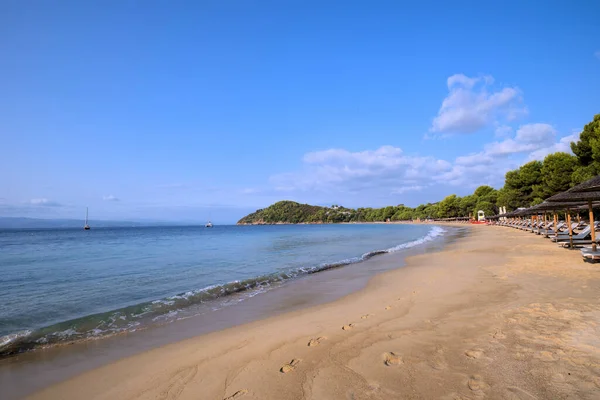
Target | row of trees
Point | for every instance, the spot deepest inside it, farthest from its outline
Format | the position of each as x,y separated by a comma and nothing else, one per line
524,187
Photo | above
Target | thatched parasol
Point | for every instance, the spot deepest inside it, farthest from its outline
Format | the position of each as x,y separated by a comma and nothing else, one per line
584,192
587,191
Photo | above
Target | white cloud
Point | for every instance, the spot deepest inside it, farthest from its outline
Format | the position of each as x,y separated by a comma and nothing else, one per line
597,54
43,202
474,159
530,137
461,80
110,197
563,145
530,142
388,172
386,168
536,133
503,131
472,104
406,189
249,191
507,147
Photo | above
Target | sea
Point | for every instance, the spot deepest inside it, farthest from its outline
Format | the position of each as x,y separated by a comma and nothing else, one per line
63,286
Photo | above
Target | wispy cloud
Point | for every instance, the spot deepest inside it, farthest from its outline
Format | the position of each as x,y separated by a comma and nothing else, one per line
563,145
175,185
43,202
341,170
388,171
406,189
110,197
472,104
503,131
597,54
250,191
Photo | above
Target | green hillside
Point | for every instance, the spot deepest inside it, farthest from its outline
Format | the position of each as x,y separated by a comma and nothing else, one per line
290,212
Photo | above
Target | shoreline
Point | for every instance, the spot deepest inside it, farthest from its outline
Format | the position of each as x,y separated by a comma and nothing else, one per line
304,292
191,303
500,313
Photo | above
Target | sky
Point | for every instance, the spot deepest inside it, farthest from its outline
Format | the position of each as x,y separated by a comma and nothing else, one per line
196,110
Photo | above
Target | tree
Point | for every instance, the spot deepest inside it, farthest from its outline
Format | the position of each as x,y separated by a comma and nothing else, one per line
466,205
448,208
557,171
403,214
388,212
587,151
484,191
586,148
430,211
508,198
524,181
582,174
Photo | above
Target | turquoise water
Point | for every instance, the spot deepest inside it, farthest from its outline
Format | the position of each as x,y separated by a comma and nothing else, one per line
68,284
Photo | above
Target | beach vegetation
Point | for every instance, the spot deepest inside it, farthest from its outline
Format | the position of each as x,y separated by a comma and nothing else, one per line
525,186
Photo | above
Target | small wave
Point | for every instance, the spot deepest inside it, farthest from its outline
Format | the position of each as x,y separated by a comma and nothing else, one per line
168,309
7,340
435,232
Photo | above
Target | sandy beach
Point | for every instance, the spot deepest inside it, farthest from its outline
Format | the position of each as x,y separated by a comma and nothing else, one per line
500,314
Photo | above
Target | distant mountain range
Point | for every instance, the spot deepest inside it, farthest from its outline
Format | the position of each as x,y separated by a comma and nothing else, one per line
39,223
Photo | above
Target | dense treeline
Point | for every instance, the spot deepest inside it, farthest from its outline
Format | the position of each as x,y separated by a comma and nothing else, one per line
290,212
526,186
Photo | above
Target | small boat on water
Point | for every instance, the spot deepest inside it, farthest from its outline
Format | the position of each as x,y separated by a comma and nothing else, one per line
86,226
209,224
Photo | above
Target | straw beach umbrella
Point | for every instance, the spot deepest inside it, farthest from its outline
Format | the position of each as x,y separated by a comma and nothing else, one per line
559,206
587,191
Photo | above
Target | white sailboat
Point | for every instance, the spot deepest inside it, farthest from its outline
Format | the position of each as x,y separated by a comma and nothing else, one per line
86,226
209,224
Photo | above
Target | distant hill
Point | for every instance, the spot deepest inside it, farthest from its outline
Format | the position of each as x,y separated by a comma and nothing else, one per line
39,223
290,212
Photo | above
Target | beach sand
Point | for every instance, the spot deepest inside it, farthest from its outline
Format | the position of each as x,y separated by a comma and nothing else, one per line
500,314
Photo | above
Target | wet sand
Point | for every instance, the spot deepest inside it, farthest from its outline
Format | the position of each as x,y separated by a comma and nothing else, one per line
500,314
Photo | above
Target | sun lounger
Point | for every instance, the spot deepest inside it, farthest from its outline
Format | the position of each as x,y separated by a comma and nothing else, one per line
575,225
589,254
581,236
577,243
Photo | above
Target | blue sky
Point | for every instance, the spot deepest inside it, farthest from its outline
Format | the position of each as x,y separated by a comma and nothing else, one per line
211,109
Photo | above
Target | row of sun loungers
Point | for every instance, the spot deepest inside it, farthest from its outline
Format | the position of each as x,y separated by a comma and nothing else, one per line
579,237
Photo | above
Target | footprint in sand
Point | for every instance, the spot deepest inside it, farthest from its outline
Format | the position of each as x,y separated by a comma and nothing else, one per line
438,361
546,356
475,353
515,393
476,383
347,327
498,334
388,308
316,342
178,382
366,316
289,367
438,364
391,359
237,394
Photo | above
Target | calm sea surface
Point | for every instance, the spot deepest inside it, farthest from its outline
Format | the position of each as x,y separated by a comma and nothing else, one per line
68,284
